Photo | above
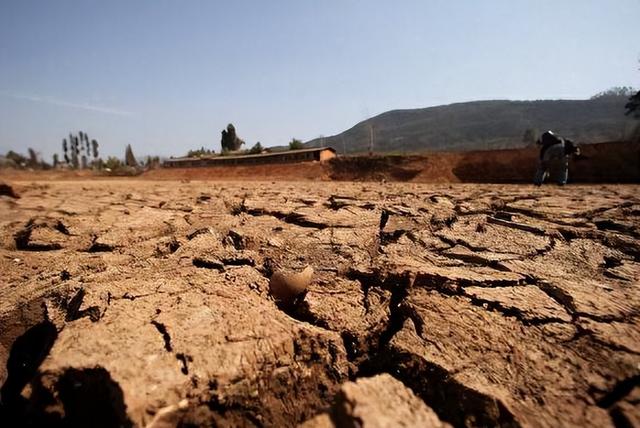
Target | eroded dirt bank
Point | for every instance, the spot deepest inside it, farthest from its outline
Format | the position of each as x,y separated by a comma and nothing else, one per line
141,303
613,162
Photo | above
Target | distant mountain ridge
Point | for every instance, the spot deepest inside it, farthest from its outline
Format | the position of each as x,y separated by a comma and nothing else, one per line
486,125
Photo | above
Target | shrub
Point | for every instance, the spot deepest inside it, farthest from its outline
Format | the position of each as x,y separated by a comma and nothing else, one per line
296,144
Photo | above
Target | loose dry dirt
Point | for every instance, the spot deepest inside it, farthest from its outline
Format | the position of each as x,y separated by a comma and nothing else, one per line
142,303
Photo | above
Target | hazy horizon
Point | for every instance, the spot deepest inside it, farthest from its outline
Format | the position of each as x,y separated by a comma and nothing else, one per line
168,76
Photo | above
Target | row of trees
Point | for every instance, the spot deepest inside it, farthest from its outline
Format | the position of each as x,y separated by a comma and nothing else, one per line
230,142
616,91
78,149
632,107
81,152
18,160
78,152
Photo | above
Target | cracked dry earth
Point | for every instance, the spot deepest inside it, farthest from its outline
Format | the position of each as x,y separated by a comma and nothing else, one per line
137,303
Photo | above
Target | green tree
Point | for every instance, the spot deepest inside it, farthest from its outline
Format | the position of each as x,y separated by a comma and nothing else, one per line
633,110
113,163
18,159
33,158
295,144
129,158
616,91
199,152
256,149
230,141
152,162
75,151
94,144
633,106
98,164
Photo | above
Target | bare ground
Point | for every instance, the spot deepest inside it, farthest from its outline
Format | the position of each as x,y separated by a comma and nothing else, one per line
142,303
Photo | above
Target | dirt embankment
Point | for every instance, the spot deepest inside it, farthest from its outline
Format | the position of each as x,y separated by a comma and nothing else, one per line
616,162
604,163
599,163
296,171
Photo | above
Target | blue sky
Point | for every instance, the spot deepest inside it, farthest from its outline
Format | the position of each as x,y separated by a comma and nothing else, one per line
167,76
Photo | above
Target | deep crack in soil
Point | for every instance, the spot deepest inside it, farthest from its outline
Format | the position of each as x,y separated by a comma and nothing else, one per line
493,305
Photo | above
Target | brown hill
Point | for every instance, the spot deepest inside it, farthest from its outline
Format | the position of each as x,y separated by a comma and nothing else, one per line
486,125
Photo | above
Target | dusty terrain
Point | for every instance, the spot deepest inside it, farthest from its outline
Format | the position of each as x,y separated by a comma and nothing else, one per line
612,162
144,303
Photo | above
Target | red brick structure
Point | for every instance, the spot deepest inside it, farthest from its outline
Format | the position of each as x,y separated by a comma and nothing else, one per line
289,156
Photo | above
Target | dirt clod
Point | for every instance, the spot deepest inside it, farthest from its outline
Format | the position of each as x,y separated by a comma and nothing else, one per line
7,190
286,286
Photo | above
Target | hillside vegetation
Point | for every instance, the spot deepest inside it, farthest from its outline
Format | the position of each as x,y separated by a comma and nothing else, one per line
487,125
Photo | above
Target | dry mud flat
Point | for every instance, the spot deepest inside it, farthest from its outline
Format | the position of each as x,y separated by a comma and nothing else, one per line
138,303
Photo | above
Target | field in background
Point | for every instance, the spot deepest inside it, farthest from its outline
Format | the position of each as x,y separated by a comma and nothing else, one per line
615,162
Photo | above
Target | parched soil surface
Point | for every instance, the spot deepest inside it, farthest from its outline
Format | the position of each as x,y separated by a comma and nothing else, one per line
141,303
